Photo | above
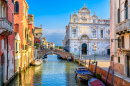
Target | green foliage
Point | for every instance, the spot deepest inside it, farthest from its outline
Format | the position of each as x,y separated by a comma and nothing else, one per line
59,47
37,45
51,48
98,76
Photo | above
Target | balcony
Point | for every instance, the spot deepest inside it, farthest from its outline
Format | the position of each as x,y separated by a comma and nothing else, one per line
5,27
123,27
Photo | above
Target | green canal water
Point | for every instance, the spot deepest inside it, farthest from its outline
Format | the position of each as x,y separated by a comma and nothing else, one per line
53,72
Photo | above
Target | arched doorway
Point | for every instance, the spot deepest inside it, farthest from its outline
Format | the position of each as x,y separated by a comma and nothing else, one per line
2,68
84,49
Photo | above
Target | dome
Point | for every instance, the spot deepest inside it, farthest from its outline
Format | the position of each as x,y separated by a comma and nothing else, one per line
94,16
84,9
74,15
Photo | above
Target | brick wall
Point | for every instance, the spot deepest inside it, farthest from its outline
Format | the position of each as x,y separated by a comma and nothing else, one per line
117,81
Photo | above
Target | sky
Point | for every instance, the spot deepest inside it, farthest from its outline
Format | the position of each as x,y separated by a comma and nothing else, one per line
54,15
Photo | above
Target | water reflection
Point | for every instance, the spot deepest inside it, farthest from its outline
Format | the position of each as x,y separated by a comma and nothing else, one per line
53,72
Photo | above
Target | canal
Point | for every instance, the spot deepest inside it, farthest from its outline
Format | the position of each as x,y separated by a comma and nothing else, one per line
53,72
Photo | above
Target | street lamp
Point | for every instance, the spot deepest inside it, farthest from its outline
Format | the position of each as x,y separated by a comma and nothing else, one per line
95,48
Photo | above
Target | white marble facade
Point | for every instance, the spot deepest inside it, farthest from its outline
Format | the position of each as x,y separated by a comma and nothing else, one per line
84,30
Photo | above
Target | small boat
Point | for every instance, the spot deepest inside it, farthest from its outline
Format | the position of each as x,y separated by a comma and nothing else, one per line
45,56
37,62
58,56
81,68
95,82
84,75
70,59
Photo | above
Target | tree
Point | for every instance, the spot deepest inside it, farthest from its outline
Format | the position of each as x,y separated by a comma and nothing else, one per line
51,48
37,45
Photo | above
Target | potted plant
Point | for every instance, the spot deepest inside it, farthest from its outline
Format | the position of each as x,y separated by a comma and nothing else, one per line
98,76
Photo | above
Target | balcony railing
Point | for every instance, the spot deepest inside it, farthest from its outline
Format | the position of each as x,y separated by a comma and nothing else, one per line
5,26
123,26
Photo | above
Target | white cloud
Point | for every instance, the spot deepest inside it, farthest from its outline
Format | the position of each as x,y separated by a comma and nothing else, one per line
53,31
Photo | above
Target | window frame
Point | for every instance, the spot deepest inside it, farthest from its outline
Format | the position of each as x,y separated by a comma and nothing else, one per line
93,33
123,42
119,60
74,33
126,9
16,47
101,33
16,7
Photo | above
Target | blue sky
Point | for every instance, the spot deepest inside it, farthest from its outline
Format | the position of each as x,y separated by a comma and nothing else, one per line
54,15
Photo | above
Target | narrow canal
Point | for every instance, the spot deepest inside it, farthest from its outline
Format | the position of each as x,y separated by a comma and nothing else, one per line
53,72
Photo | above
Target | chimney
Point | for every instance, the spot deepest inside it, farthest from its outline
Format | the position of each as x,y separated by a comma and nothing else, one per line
41,25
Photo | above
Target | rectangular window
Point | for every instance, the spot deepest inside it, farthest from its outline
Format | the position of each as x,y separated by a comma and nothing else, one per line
118,59
122,41
94,34
16,46
74,33
94,21
101,33
23,47
119,43
4,43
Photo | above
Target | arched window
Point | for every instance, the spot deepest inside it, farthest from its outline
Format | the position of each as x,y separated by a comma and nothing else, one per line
16,28
101,33
126,9
118,15
74,33
2,58
94,34
16,7
84,37
13,1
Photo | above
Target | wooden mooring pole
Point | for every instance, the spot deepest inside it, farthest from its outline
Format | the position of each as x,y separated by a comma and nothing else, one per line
79,59
89,63
107,74
95,69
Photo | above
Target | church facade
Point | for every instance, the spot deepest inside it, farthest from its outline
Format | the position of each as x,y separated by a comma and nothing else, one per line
85,31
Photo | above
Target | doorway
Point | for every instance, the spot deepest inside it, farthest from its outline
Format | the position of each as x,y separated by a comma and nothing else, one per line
128,66
84,49
108,51
1,69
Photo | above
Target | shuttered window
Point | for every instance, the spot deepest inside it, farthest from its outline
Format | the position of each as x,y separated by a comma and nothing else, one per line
16,7
122,41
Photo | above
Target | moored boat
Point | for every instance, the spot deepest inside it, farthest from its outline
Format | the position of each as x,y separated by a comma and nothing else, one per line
84,75
95,82
70,59
81,68
37,62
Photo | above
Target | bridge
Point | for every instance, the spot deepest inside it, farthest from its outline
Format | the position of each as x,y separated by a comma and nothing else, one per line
63,54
